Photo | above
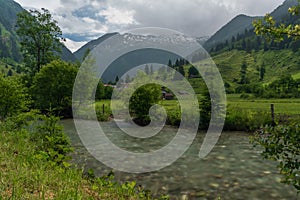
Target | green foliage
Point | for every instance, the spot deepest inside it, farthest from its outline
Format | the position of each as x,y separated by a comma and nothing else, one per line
271,29
52,88
142,100
174,117
51,142
244,79
193,72
100,91
103,115
285,87
40,37
282,144
28,147
205,110
246,119
13,97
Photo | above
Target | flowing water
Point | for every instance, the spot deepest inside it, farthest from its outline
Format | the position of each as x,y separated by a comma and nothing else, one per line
233,170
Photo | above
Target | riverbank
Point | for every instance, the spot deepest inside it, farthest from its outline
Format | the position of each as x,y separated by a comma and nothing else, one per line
26,172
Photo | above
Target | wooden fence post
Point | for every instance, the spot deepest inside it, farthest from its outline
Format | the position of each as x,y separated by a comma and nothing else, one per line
273,114
103,109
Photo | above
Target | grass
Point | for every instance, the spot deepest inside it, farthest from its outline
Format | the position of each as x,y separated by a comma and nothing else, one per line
296,76
282,106
276,63
288,107
25,175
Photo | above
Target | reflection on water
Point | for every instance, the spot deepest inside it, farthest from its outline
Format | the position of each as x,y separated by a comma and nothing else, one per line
233,170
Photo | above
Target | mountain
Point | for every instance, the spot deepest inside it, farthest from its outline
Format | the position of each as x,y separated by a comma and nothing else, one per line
140,57
67,55
79,54
241,22
8,38
9,43
236,26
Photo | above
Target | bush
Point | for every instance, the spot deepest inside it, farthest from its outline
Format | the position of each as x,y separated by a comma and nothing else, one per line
103,116
13,97
51,143
142,100
52,88
174,118
282,144
246,120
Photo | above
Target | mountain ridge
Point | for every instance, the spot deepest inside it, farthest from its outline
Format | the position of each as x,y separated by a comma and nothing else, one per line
239,23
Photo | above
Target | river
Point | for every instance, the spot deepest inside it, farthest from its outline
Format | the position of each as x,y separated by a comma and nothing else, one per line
233,170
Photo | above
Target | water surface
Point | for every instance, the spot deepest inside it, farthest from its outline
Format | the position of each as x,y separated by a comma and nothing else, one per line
233,170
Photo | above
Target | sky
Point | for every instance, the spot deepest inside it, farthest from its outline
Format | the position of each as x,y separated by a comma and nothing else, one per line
84,20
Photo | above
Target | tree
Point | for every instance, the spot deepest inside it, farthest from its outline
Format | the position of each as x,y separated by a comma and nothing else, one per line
142,100
205,109
151,70
9,73
52,88
116,79
193,71
127,79
39,37
170,63
244,79
281,143
181,70
13,97
100,92
147,70
262,72
108,90
269,28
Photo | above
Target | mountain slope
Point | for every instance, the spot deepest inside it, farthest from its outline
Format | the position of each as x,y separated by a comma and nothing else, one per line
9,43
241,22
236,26
9,47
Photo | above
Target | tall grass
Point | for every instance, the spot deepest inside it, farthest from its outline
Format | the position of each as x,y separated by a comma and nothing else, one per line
26,174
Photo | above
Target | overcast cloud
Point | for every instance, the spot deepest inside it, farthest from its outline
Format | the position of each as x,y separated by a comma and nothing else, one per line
83,20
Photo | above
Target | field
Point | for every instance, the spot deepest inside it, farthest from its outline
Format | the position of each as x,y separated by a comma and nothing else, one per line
282,106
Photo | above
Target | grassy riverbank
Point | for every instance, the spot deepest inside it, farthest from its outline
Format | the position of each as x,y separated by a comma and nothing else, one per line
28,172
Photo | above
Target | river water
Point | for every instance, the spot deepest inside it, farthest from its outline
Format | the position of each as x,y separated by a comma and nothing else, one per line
233,170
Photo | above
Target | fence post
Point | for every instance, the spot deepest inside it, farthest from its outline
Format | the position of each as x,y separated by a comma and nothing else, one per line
273,114
103,109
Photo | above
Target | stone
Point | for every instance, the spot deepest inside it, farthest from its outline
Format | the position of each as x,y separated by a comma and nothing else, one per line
184,197
221,158
267,172
214,185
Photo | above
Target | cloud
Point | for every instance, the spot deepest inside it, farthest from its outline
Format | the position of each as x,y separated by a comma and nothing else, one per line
90,19
117,17
72,45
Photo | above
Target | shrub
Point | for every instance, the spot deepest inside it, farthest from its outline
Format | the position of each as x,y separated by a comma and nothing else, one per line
51,143
282,144
52,88
246,120
13,97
